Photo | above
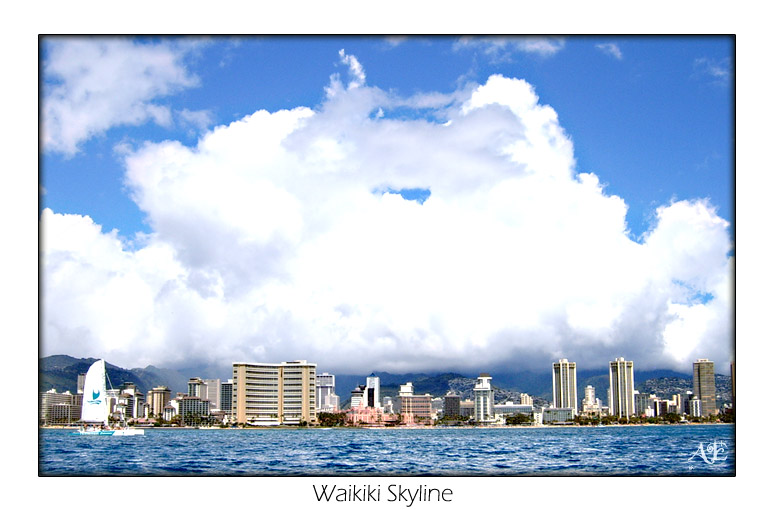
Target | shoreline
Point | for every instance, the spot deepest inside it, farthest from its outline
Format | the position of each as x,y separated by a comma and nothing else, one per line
427,427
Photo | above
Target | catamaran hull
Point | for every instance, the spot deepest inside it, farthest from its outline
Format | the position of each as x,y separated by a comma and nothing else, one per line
94,433
124,432
128,432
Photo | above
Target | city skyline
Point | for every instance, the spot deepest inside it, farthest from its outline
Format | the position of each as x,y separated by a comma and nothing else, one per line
563,390
290,393
350,206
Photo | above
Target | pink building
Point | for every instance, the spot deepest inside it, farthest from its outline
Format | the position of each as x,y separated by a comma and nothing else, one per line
363,415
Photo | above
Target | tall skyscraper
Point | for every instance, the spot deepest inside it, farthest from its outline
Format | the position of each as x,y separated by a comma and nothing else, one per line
194,386
226,397
564,385
733,387
452,405
211,391
483,399
704,385
621,401
325,393
81,383
372,395
274,393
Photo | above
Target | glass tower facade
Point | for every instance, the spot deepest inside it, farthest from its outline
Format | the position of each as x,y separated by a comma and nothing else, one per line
704,385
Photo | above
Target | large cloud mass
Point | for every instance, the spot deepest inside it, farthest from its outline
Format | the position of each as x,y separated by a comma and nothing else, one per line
282,236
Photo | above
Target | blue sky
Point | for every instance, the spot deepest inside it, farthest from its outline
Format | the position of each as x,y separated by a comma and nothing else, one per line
654,122
560,197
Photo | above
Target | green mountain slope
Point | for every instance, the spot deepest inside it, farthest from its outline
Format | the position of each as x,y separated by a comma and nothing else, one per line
61,372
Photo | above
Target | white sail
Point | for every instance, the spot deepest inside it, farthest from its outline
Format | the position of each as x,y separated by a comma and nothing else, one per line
95,395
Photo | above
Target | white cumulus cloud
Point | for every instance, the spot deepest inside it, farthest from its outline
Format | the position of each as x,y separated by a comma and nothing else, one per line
276,237
91,85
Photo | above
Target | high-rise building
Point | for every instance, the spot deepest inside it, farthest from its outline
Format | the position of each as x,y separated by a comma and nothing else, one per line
226,397
326,400
157,398
405,390
564,387
193,409
211,391
704,385
525,399
112,397
643,403
59,407
677,403
589,397
358,398
733,387
274,393
132,400
81,383
194,387
467,408
388,405
452,405
694,407
621,401
591,405
483,399
437,407
372,394
419,406
171,409
413,408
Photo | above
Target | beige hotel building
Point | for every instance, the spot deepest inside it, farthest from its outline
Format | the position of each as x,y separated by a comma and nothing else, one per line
564,387
274,393
621,395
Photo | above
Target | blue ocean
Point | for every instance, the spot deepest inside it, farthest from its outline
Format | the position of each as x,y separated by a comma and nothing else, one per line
609,451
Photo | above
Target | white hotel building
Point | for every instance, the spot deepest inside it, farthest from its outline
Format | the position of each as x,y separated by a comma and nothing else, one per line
274,393
483,399
326,399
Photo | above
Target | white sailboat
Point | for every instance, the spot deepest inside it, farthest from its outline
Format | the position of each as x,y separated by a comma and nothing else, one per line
95,411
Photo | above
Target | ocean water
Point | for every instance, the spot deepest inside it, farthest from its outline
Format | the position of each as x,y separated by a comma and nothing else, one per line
643,450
